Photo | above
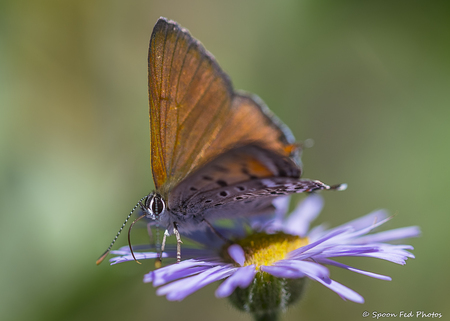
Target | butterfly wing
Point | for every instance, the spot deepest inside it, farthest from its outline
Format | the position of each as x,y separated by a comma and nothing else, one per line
244,199
195,116
237,165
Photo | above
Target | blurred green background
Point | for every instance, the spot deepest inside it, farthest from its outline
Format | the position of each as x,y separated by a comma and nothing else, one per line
369,81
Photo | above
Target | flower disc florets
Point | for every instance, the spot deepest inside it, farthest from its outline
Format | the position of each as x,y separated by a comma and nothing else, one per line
265,249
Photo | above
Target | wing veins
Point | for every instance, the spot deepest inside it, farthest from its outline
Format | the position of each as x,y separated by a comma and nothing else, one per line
180,125
179,104
168,88
207,129
158,112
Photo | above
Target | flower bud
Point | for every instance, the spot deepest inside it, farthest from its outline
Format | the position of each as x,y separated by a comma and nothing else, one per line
267,296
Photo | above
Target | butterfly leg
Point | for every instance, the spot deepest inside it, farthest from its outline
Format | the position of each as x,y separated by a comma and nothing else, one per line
217,232
178,236
163,245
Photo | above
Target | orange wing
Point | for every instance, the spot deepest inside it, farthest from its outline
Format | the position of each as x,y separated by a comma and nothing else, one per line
195,116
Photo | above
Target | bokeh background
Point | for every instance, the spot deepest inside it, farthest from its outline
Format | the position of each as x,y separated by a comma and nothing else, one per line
369,81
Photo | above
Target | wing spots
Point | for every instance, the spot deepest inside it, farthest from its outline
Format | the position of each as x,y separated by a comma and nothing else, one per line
240,188
221,183
207,178
192,188
223,193
238,198
208,201
218,204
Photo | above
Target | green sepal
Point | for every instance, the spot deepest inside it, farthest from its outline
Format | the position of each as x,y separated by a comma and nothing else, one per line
267,296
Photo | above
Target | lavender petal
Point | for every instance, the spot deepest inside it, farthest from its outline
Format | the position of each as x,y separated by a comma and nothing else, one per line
300,219
317,232
347,267
178,290
366,220
237,254
138,255
282,272
386,236
305,267
241,278
166,274
340,289
150,277
335,233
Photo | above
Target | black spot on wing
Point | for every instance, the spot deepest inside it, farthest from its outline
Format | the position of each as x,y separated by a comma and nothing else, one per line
221,183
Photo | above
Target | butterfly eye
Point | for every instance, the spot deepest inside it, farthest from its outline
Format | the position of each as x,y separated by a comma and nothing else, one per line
157,205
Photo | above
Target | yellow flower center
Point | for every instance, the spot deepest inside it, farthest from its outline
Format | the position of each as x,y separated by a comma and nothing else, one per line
266,249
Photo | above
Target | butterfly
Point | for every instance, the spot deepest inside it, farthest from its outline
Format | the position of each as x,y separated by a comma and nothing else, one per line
215,152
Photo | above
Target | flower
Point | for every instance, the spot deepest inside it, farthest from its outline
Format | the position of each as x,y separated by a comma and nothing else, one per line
281,247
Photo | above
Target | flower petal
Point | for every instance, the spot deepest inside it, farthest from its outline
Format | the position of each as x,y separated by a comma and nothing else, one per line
317,232
281,205
178,290
241,278
340,289
150,277
391,257
335,233
348,237
302,216
237,254
171,272
126,256
345,250
367,220
282,272
347,267
391,235
306,267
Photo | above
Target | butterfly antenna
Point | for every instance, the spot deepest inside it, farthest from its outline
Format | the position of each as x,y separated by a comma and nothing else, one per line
102,257
129,237
339,187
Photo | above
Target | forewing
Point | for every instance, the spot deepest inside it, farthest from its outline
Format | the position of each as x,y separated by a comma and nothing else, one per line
195,116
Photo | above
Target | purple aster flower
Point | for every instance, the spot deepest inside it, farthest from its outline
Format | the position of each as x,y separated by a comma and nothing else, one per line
281,248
